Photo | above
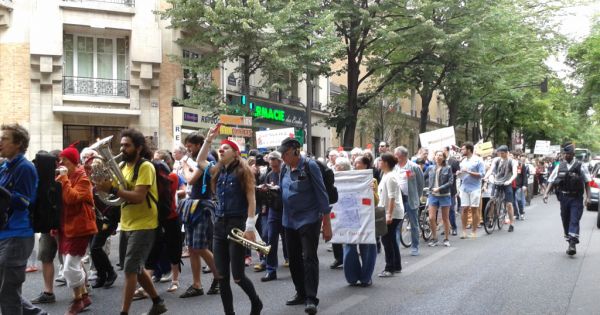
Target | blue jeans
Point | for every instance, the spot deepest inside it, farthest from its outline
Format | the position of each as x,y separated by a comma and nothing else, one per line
453,213
519,202
275,229
353,270
414,224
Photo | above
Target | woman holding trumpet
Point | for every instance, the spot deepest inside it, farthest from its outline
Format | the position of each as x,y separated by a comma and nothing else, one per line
233,183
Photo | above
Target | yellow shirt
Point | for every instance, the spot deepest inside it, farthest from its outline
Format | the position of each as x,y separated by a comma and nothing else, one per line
139,216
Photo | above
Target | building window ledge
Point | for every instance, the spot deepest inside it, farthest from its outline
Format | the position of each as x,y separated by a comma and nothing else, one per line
123,7
86,110
97,99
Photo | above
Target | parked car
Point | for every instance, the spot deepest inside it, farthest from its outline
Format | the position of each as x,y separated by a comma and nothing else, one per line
594,192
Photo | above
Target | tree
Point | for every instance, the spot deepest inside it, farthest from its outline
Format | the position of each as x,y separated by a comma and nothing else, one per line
584,57
278,38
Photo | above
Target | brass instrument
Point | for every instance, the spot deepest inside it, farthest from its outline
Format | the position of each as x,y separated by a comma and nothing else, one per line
105,167
237,236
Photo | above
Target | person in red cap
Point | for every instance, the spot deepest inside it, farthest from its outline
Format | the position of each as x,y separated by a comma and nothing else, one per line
78,224
233,182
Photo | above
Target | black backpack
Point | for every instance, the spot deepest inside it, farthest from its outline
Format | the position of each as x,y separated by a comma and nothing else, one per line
163,183
45,211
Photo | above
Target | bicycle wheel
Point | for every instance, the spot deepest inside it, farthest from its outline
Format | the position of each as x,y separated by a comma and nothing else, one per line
501,215
489,220
405,232
425,227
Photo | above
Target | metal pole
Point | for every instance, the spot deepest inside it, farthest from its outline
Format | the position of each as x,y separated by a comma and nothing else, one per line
309,103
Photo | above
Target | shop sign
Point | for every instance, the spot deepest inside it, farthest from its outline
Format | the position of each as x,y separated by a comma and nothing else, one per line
236,120
263,110
272,138
191,117
236,132
177,134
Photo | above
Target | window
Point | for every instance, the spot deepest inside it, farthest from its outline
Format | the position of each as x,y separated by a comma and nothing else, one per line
95,57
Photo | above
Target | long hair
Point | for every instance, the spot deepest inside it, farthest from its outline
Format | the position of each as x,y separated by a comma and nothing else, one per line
443,154
242,172
138,140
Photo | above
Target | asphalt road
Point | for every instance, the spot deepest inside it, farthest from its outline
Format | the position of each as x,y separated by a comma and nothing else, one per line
525,272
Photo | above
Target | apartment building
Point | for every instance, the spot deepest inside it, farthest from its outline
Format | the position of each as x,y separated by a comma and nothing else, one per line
81,70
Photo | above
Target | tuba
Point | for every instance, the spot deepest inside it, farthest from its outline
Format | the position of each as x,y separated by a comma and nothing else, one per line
237,236
105,167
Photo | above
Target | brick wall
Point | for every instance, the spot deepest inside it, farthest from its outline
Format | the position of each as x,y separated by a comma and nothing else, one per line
170,72
14,83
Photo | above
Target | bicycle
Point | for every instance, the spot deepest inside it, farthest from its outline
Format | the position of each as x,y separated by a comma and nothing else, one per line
423,217
495,210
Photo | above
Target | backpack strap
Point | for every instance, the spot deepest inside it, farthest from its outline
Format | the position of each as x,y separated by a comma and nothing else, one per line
208,167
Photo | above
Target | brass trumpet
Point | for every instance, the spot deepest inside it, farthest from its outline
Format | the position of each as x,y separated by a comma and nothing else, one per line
237,236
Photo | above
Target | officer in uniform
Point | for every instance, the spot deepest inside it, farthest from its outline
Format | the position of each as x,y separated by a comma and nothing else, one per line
571,178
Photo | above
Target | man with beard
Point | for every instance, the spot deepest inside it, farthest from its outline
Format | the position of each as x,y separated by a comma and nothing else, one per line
139,217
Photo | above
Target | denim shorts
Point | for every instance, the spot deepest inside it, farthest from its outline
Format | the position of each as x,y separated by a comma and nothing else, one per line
439,201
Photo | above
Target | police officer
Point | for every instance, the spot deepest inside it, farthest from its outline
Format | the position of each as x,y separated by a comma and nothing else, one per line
571,179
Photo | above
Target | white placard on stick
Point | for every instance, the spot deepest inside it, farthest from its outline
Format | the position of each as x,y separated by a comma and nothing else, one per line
542,147
272,138
353,216
438,139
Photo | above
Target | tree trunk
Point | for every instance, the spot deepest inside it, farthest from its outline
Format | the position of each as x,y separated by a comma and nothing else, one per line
452,113
352,105
245,75
426,96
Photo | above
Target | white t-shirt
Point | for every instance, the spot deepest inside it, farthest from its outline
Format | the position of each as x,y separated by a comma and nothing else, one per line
389,188
403,177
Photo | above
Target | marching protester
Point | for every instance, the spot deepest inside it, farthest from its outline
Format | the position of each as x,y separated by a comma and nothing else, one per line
440,181
390,198
571,178
504,170
305,210
78,224
18,179
359,267
520,188
233,182
411,182
275,215
139,218
107,220
471,171
197,212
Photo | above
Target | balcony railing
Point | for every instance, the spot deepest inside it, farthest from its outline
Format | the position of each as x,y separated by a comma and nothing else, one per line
129,3
95,86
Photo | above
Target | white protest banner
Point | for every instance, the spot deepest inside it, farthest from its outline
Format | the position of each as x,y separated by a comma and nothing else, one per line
353,216
438,139
554,149
272,138
541,147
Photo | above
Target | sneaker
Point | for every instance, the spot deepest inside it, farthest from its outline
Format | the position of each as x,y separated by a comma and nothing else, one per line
76,307
335,264
139,294
206,269
454,232
511,228
286,263
522,217
446,243
110,280
414,251
43,298
166,278
191,292
433,243
572,250
469,226
155,279
158,308
385,274
463,235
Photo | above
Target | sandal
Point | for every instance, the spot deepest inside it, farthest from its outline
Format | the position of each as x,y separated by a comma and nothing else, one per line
191,291
139,294
174,286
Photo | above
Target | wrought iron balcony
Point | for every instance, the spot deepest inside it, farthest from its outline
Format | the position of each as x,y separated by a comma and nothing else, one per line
129,3
95,86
